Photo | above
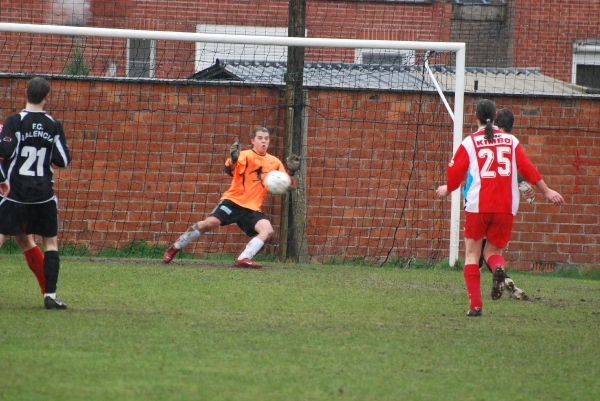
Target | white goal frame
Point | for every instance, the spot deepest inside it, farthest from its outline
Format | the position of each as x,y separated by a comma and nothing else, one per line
456,47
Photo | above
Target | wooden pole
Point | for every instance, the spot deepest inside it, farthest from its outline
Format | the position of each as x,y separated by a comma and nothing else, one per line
293,141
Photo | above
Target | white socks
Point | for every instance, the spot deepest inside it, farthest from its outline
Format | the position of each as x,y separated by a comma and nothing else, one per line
191,234
251,249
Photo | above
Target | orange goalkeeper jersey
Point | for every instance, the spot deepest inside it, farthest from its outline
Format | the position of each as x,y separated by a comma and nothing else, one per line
247,188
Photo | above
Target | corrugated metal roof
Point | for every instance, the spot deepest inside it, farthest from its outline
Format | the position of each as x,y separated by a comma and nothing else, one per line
516,81
361,76
330,75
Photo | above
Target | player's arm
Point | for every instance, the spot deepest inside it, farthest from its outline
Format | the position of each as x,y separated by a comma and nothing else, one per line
4,188
8,139
238,167
4,149
531,174
234,153
550,194
457,169
526,169
290,167
228,168
2,173
292,164
4,185
61,156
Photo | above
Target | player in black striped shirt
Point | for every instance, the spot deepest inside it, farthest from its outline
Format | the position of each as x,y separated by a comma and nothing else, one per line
30,143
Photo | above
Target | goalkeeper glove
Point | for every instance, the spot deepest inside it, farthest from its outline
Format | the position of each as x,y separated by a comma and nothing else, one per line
292,163
527,191
234,151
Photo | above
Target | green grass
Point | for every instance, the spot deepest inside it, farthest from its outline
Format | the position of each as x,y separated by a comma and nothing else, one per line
200,330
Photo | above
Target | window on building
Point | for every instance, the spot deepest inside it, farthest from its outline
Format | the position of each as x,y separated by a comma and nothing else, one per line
141,56
208,53
588,75
586,63
385,57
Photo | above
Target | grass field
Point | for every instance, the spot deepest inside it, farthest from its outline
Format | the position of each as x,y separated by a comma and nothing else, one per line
200,330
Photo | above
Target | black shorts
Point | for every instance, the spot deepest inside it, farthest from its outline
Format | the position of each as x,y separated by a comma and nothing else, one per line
20,218
228,213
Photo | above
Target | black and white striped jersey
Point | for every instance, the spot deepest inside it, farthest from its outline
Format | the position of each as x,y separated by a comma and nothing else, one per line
30,142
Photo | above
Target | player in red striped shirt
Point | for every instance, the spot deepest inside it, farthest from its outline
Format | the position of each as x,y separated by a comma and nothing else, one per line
492,158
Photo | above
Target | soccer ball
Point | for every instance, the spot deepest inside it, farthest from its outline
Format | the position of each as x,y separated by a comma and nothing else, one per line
277,182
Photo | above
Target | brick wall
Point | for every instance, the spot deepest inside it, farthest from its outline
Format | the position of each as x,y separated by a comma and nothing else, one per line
147,163
545,30
356,20
533,30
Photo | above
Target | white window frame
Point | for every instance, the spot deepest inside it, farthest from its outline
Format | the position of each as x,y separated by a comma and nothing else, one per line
207,53
408,55
151,63
584,53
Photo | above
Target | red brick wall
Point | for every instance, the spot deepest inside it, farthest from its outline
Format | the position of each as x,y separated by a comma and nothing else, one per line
541,28
546,29
147,163
355,20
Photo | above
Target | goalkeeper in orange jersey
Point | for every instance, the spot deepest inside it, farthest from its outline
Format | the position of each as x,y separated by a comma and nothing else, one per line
241,203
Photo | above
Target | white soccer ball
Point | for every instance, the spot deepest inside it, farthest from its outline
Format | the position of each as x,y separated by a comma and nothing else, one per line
277,182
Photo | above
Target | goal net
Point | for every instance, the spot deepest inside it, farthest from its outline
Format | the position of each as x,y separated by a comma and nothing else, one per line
150,117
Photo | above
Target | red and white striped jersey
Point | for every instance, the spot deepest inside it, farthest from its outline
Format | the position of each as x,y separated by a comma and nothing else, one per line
492,167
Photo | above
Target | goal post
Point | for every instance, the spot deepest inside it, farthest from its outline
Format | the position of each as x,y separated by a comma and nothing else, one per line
458,49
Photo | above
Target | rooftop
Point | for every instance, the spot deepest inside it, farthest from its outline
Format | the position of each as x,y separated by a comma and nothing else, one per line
386,77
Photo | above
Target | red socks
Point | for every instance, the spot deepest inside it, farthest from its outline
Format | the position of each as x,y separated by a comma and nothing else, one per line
35,261
473,283
495,261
